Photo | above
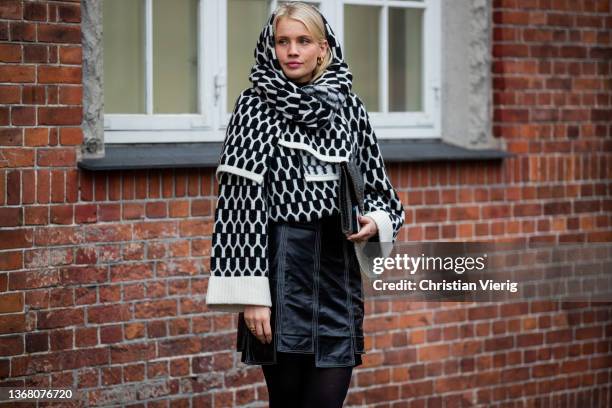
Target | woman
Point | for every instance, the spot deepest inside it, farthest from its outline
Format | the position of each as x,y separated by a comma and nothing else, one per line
278,256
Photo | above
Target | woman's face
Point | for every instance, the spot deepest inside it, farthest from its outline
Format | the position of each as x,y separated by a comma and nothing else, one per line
296,49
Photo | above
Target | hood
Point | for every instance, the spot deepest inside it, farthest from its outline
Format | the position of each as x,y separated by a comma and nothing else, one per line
265,55
309,118
313,105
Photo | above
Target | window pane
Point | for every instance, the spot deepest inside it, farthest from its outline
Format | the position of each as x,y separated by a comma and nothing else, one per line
175,56
405,59
124,72
246,19
361,39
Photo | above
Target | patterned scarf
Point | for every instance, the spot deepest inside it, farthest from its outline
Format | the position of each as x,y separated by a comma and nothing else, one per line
308,118
310,112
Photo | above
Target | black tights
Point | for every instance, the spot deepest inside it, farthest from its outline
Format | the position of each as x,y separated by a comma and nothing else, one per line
295,380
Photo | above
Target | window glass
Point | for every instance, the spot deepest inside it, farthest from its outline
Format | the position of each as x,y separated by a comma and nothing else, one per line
246,19
124,66
175,56
361,48
405,59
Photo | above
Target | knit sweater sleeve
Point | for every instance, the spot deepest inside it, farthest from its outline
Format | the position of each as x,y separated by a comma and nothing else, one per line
381,201
238,262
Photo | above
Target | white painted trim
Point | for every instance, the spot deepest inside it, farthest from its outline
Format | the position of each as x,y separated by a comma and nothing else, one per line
162,136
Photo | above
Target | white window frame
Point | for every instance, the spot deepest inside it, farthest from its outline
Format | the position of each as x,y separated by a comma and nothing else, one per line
210,123
160,128
405,125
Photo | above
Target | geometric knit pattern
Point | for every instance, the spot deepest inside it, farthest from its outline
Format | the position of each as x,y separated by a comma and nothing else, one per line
239,241
309,111
244,208
280,158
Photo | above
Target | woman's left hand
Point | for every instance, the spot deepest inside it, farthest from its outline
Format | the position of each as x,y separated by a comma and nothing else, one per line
367,230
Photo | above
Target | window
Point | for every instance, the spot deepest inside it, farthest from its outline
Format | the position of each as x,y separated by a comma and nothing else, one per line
173,70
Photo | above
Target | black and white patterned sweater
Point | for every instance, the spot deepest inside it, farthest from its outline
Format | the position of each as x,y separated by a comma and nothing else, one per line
279,163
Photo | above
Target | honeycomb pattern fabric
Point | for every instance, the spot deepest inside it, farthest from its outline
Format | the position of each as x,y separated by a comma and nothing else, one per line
280,161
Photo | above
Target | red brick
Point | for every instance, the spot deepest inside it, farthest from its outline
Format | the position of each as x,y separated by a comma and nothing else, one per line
157,209
9,94
129,272
124,353
71,95
34,53
10,260
69,13
17,73
71,55
36,215
4,116
23,116
60,318
37,342
36,137
56,157
437,352
10,53
60,116
12,323
35,11
59,33
4,30
11,345
33,94
62,214
15,238
11,9
58,186
178,208
59,75
110,313
86,213
28,186
11,302
10,216
22,31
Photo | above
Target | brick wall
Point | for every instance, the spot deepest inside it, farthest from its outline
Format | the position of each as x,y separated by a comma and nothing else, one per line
103,275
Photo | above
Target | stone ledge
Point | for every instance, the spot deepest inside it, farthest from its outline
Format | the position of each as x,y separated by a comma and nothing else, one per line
184,155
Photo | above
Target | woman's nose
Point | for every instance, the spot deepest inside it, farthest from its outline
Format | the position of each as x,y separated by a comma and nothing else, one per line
292,49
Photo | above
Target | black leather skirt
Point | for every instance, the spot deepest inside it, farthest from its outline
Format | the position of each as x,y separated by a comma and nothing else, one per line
317,296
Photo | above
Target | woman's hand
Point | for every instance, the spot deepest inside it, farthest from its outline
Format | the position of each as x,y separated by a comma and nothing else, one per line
367,230
257,319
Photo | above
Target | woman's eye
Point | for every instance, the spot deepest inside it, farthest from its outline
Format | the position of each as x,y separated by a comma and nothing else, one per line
303,41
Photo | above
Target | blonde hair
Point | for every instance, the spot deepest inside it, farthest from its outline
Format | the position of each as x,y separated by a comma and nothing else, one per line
311,18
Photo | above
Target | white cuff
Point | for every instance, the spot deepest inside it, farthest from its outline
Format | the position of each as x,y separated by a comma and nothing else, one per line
385,244
385,227
232,294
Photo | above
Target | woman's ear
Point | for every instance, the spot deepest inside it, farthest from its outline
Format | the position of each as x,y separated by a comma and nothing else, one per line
323,45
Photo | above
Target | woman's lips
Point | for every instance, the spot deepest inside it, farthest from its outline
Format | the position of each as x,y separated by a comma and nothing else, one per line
294,64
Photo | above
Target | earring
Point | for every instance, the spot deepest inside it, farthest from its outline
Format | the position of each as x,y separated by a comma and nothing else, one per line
319,60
